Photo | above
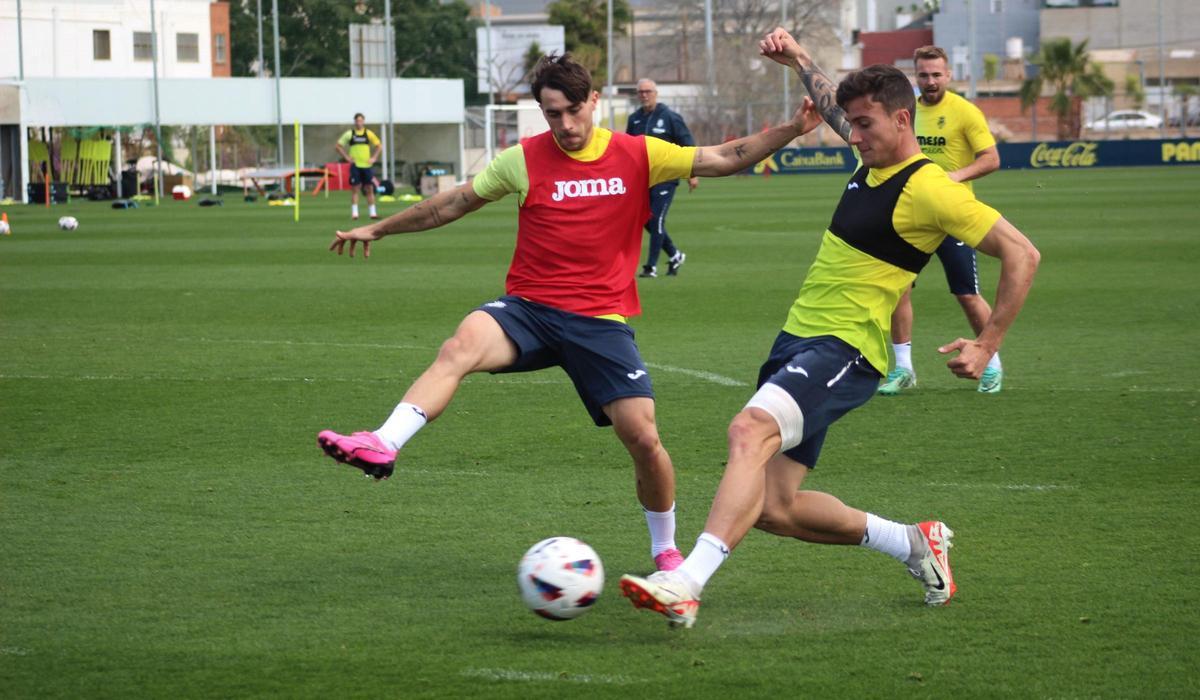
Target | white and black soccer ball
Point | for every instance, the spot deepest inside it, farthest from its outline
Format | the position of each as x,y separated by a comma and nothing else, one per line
68,223
4,228
560,578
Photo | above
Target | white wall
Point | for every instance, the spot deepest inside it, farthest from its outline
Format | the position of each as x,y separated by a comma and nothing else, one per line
57,37
89,102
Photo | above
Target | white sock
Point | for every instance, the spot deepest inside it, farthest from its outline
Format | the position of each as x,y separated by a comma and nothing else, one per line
404,422
371,210
708,555
994,363
662,530
353,210
888,537
903,353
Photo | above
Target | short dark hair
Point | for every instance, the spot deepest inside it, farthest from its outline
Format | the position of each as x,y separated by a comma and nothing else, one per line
930,52
561,73
359,114
884,84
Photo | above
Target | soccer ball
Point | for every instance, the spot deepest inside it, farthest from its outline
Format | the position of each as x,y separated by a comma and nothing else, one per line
68,223
4,229
560,578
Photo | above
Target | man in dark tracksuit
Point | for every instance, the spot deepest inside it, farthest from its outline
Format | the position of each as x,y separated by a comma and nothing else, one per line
657,120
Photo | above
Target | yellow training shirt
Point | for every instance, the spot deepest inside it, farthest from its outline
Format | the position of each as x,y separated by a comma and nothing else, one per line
851,295
952,131
358,145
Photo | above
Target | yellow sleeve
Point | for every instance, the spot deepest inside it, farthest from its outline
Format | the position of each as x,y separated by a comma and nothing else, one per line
979,136
372,138
944,205
505,175
668,161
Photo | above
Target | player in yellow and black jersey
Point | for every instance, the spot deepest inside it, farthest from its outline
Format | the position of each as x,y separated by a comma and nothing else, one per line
828,359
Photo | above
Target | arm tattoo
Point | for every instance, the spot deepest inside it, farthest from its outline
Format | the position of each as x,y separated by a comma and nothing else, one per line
739,151
824,94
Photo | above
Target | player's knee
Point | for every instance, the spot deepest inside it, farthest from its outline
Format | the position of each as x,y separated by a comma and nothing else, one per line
457,353
642,440
751,429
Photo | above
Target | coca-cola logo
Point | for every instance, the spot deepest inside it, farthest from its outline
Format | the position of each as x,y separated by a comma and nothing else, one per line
1080,154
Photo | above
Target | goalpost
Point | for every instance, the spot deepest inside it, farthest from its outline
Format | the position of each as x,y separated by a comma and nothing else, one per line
528,122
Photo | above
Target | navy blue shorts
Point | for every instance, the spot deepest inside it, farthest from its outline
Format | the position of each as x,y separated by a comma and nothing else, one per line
598,354
826,377
958,260
363,177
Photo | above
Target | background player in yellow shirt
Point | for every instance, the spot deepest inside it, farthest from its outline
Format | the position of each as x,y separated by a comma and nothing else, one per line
355,146
828,359
953,133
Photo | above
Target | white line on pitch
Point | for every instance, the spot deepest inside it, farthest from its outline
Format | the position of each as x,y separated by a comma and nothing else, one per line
508,674
1008,487
699,374
316,343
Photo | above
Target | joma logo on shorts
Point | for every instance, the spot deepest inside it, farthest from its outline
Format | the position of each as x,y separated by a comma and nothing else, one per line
587,188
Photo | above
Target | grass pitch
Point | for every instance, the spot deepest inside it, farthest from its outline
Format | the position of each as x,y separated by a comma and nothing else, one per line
168,526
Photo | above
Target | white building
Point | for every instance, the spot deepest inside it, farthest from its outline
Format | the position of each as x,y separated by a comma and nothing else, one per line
112,39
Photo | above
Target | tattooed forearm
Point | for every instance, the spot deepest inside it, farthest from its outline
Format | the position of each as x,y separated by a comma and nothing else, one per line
824,95
739,151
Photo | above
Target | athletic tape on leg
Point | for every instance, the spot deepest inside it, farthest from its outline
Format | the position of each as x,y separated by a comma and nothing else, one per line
784,409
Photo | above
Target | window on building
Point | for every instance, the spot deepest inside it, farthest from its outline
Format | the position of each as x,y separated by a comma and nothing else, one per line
101,45
187,47
219,48
143,47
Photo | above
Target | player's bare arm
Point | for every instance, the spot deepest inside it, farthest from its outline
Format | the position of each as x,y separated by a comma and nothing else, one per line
736,156
781,47
1019,261
986,161
438,210
342,152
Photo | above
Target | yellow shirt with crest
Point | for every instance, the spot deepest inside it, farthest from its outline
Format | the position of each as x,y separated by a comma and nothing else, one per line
952,131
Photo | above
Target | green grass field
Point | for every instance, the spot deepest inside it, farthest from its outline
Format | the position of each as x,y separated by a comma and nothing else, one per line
168,527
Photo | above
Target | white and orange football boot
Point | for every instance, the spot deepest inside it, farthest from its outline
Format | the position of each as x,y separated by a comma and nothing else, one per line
930,562
668,593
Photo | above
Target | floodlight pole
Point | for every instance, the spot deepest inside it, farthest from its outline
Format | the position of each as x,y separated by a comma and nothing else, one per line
390,154
262,64
609,88
710,71
212,158
157,116
20,46
278,92
787,72
971,94
487,62
1162,79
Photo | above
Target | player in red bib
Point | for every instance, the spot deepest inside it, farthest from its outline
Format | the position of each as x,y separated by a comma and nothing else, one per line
570,289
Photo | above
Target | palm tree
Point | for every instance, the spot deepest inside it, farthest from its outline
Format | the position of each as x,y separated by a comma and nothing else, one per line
1067,69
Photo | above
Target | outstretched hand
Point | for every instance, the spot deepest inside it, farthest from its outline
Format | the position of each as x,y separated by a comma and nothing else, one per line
971,360
363,234
779,46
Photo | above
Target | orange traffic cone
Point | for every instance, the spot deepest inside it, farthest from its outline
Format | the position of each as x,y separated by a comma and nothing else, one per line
7,227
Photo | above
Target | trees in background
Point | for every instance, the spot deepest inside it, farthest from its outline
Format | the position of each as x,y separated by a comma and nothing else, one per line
1069,71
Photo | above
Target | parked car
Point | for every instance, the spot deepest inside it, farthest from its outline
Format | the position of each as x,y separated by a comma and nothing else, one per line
1126,119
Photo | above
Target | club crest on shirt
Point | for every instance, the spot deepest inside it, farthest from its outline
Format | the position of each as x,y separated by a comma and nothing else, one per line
599,187
941,122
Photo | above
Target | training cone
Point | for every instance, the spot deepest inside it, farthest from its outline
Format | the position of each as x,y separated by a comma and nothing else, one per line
7,226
